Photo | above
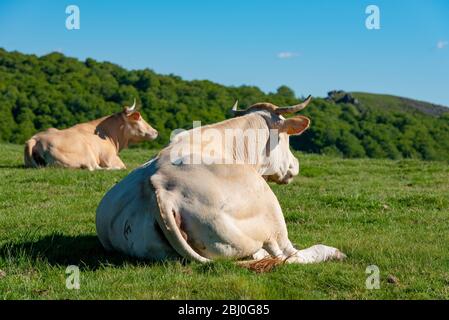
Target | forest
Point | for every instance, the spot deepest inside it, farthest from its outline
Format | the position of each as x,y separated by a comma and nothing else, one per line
38,92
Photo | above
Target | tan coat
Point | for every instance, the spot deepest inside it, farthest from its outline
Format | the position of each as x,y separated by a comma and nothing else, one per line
91,145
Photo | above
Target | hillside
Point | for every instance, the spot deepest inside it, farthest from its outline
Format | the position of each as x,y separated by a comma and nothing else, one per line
400,103
58,91
387,102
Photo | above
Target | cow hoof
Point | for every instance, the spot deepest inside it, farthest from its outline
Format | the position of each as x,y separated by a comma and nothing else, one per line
339,256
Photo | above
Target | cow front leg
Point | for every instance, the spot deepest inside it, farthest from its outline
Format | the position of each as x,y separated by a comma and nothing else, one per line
283,249
113,163
261,254
315,254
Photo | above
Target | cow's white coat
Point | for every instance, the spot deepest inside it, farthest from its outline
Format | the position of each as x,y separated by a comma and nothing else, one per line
166,208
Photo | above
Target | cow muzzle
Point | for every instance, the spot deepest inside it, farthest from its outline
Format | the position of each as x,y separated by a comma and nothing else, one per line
151,135
281,179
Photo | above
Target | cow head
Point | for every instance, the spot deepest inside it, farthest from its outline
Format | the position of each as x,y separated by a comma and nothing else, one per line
282,165
136,128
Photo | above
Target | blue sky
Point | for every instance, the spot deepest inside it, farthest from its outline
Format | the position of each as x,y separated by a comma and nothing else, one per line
311,46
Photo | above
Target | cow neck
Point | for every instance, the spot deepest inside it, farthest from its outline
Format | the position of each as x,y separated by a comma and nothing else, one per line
112,128
252,121
231,152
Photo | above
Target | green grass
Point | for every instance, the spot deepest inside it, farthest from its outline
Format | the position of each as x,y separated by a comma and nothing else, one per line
394,214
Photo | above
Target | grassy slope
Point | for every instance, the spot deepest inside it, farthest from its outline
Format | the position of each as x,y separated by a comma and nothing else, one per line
394,214
394,103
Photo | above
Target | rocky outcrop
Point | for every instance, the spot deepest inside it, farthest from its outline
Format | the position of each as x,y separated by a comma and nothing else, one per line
340,96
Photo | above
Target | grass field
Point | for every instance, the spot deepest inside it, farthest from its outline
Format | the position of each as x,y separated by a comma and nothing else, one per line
393,214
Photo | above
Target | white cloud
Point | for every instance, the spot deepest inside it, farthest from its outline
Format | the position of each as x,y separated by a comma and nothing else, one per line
442,44
287,55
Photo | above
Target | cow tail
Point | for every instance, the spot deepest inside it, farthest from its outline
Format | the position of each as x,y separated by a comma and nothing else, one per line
166,219
28,153
172,232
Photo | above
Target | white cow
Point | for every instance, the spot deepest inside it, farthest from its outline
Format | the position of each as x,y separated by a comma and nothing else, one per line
218,207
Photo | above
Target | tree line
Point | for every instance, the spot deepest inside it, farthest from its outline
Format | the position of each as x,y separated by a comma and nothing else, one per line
58,91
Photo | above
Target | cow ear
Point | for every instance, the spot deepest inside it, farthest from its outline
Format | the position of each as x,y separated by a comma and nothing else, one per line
135,116
295,126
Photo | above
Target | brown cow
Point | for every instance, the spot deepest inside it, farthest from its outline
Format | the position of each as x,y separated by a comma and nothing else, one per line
91,145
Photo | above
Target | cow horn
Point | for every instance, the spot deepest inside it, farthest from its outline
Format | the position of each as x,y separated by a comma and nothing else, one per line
132,108
295,108
234,107
234,110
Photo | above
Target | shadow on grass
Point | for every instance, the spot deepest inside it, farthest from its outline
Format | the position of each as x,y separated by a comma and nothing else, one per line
84,251
13,166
